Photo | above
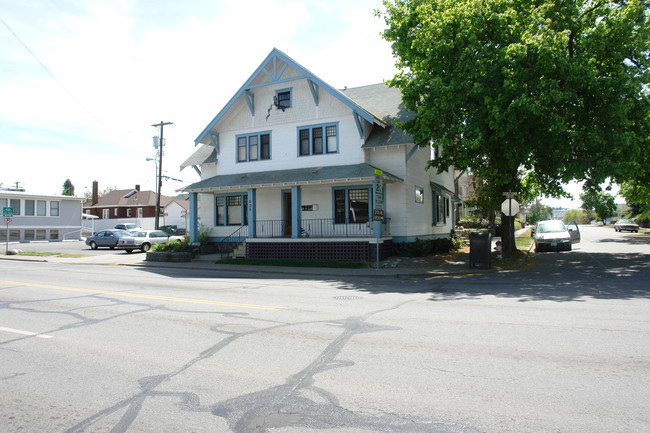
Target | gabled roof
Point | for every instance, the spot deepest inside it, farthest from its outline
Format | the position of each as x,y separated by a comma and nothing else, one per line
127,197
385,102
271,72
296,176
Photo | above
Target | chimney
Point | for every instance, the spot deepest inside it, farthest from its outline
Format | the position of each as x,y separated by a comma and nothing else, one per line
95,198
137,188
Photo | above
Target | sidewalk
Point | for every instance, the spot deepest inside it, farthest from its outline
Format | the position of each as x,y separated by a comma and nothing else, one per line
453,264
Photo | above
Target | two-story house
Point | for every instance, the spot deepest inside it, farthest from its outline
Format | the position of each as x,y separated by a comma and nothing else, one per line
299,169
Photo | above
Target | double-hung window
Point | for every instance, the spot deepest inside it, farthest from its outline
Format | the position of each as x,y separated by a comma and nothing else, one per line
352,205
41,208
54,208
29,207
231,210
440,208
317,140
253,147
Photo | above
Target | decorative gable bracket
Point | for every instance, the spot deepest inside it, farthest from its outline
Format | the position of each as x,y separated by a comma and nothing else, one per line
214,140
250,100
314,90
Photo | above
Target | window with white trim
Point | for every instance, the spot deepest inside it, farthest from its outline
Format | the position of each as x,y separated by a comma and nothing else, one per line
54,208
41,208
29,207
253,147
318,139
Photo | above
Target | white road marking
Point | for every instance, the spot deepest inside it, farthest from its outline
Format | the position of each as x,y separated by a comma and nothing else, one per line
18,331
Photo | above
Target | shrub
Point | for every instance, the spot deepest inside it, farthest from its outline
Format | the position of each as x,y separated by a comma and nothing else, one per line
425,247
203,235
174,246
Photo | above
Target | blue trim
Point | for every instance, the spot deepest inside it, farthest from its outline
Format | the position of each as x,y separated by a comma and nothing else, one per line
252,211
288,89
313,87
371,200
357,119
311,144
305,74
194,217
296,201
411,152
248,149
244,203
250,100
214,139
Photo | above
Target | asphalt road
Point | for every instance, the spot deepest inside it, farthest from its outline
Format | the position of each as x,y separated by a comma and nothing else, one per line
560,345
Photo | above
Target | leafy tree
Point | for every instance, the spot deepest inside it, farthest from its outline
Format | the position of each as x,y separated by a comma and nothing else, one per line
601,203
538,212
637,196
527,94
68,188
577,215
88,195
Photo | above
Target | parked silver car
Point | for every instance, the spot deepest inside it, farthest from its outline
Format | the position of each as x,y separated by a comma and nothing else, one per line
629,225
106,238
143,240
129,227
554,235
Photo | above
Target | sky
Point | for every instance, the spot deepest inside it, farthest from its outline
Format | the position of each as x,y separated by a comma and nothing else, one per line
81,82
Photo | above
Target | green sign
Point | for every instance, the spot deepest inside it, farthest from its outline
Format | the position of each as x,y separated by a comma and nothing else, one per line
7,211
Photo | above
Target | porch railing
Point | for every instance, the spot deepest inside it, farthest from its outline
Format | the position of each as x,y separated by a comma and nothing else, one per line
231,241
318,228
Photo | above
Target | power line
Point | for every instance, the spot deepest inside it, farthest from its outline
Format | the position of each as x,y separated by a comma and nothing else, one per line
70,94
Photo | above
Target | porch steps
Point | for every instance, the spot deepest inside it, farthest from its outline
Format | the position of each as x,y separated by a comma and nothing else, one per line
239,252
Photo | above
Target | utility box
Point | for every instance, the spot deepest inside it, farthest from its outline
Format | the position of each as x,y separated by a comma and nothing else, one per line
480,248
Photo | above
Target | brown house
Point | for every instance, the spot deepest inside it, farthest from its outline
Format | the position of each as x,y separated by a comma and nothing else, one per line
124,203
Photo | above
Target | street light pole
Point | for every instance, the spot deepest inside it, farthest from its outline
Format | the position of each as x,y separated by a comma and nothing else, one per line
160,125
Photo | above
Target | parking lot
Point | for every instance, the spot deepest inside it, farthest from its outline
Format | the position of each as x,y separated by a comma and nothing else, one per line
63,247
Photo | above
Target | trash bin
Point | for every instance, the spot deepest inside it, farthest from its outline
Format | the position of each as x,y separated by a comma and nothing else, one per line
170,230
480,248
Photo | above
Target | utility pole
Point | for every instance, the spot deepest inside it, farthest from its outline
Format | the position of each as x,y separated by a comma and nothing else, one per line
160,125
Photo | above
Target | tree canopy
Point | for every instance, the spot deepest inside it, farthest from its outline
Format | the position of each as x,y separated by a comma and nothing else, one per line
68,188
528,94
601,203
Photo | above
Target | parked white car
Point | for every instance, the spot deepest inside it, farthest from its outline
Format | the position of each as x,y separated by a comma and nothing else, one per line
554,235
129,227
143,240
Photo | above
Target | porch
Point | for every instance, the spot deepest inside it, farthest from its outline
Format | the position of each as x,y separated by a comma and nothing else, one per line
320,239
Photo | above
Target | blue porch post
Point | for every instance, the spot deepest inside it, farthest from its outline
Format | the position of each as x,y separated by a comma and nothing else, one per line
295,211
194,217
252,213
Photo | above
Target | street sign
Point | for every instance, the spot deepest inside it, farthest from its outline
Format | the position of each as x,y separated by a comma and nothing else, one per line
7,220
7,211
510,207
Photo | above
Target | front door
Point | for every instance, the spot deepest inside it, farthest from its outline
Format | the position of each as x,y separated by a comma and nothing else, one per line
286,213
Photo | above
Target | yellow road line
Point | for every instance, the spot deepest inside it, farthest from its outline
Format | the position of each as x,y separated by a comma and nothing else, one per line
144,296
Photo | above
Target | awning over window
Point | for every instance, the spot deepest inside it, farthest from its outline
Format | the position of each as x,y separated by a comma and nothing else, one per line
440,189
204,154
298,176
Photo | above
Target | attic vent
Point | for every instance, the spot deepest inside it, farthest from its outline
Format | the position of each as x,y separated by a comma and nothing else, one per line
130,193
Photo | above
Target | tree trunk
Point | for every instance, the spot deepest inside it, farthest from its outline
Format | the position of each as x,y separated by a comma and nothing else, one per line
508,233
